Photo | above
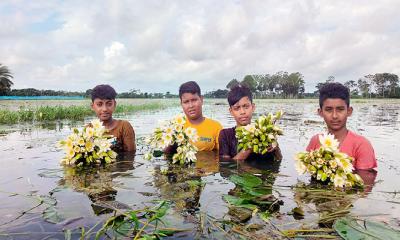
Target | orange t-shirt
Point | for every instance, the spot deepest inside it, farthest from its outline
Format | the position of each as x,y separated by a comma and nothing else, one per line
125,136
355,146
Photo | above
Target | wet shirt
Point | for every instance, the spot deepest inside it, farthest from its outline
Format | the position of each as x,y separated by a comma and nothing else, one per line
355,146
125,137
228,146
208,132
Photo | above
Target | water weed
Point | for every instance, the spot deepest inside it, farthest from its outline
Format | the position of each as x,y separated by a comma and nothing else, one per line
52,113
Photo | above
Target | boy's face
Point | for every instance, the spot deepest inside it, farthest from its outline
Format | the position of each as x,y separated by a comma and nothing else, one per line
335,113
242,111
104,108
192,105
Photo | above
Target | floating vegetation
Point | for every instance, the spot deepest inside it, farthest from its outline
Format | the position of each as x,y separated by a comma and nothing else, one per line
330,204
136,224
249,198
351,228
51,113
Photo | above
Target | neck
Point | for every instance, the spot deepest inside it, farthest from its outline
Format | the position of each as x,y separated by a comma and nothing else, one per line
107,124
197,120
340,134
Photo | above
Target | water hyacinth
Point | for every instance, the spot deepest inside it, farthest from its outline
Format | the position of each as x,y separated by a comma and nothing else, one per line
91,145
328,164
261,135
173,133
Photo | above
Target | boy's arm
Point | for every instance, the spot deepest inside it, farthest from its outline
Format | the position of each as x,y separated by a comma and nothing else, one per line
219,129
223,150
129,138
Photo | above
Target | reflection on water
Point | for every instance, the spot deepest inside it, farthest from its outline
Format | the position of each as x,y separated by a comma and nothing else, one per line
84,197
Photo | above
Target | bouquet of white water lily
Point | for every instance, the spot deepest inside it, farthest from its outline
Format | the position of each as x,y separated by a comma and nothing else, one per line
328,164
173,133
91,145
261,135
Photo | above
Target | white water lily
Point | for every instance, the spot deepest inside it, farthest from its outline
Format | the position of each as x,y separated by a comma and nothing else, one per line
88,146
328,164
300,167
260,135
180,119
173,133
338,181
328,141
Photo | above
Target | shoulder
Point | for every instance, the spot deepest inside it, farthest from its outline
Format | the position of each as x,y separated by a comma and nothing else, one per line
227,131
314,143
212,122
358,139
124,124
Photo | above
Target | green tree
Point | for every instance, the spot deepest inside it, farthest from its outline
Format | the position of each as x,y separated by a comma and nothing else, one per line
5,80
250,82
232,83
292,85
352,86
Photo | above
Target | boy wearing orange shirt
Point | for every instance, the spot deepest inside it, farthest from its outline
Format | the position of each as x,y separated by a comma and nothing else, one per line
192,105
334,102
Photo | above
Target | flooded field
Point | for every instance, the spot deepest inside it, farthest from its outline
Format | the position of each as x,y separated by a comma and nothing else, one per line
39,199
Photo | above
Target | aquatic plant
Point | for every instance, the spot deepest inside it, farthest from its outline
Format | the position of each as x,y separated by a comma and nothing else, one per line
250,197
91,145
261,135
136,224
173,133
328,164
51,113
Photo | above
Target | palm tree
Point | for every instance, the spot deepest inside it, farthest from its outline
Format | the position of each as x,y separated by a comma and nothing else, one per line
5,79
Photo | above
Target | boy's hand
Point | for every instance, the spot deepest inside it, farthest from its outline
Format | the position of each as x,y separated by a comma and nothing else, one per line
243,155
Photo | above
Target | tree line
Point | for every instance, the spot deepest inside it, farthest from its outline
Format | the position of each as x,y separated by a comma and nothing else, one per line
291,85
279,85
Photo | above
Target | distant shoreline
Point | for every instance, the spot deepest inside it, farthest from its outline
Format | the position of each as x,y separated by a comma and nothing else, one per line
41,97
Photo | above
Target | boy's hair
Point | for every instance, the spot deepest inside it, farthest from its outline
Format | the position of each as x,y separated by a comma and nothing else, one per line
189,87
103,91
334,90
238,92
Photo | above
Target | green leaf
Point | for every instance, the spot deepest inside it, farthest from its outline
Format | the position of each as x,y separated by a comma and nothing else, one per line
350,228
265,216
51,215
246,180
164,233
239,202
157,153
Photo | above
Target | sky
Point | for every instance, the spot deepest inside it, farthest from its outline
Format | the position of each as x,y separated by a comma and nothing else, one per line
155,46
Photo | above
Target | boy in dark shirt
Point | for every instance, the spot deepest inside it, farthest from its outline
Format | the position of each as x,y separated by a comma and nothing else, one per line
104,104
241,107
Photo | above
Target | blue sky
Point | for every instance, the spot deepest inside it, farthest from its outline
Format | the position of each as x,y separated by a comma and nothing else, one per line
157,45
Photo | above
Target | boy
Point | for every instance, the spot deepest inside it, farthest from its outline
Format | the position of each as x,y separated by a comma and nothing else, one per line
241,107
334,102
103,104
207,129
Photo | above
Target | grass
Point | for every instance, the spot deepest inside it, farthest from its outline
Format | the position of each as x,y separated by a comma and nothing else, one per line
51,113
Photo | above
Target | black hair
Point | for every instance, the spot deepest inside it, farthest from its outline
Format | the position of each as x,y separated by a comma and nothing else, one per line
189,87
334,90
237,92
103,91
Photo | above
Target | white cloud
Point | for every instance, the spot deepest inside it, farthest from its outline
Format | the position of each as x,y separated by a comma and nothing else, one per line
155,46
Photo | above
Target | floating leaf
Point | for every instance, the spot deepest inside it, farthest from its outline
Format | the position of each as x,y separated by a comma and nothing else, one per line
246,180
350,228
239,202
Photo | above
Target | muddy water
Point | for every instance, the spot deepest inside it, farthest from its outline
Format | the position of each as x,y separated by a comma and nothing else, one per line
40,199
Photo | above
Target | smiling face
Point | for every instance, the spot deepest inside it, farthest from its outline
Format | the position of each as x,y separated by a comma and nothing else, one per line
192,105
335,113
242,111
104,108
